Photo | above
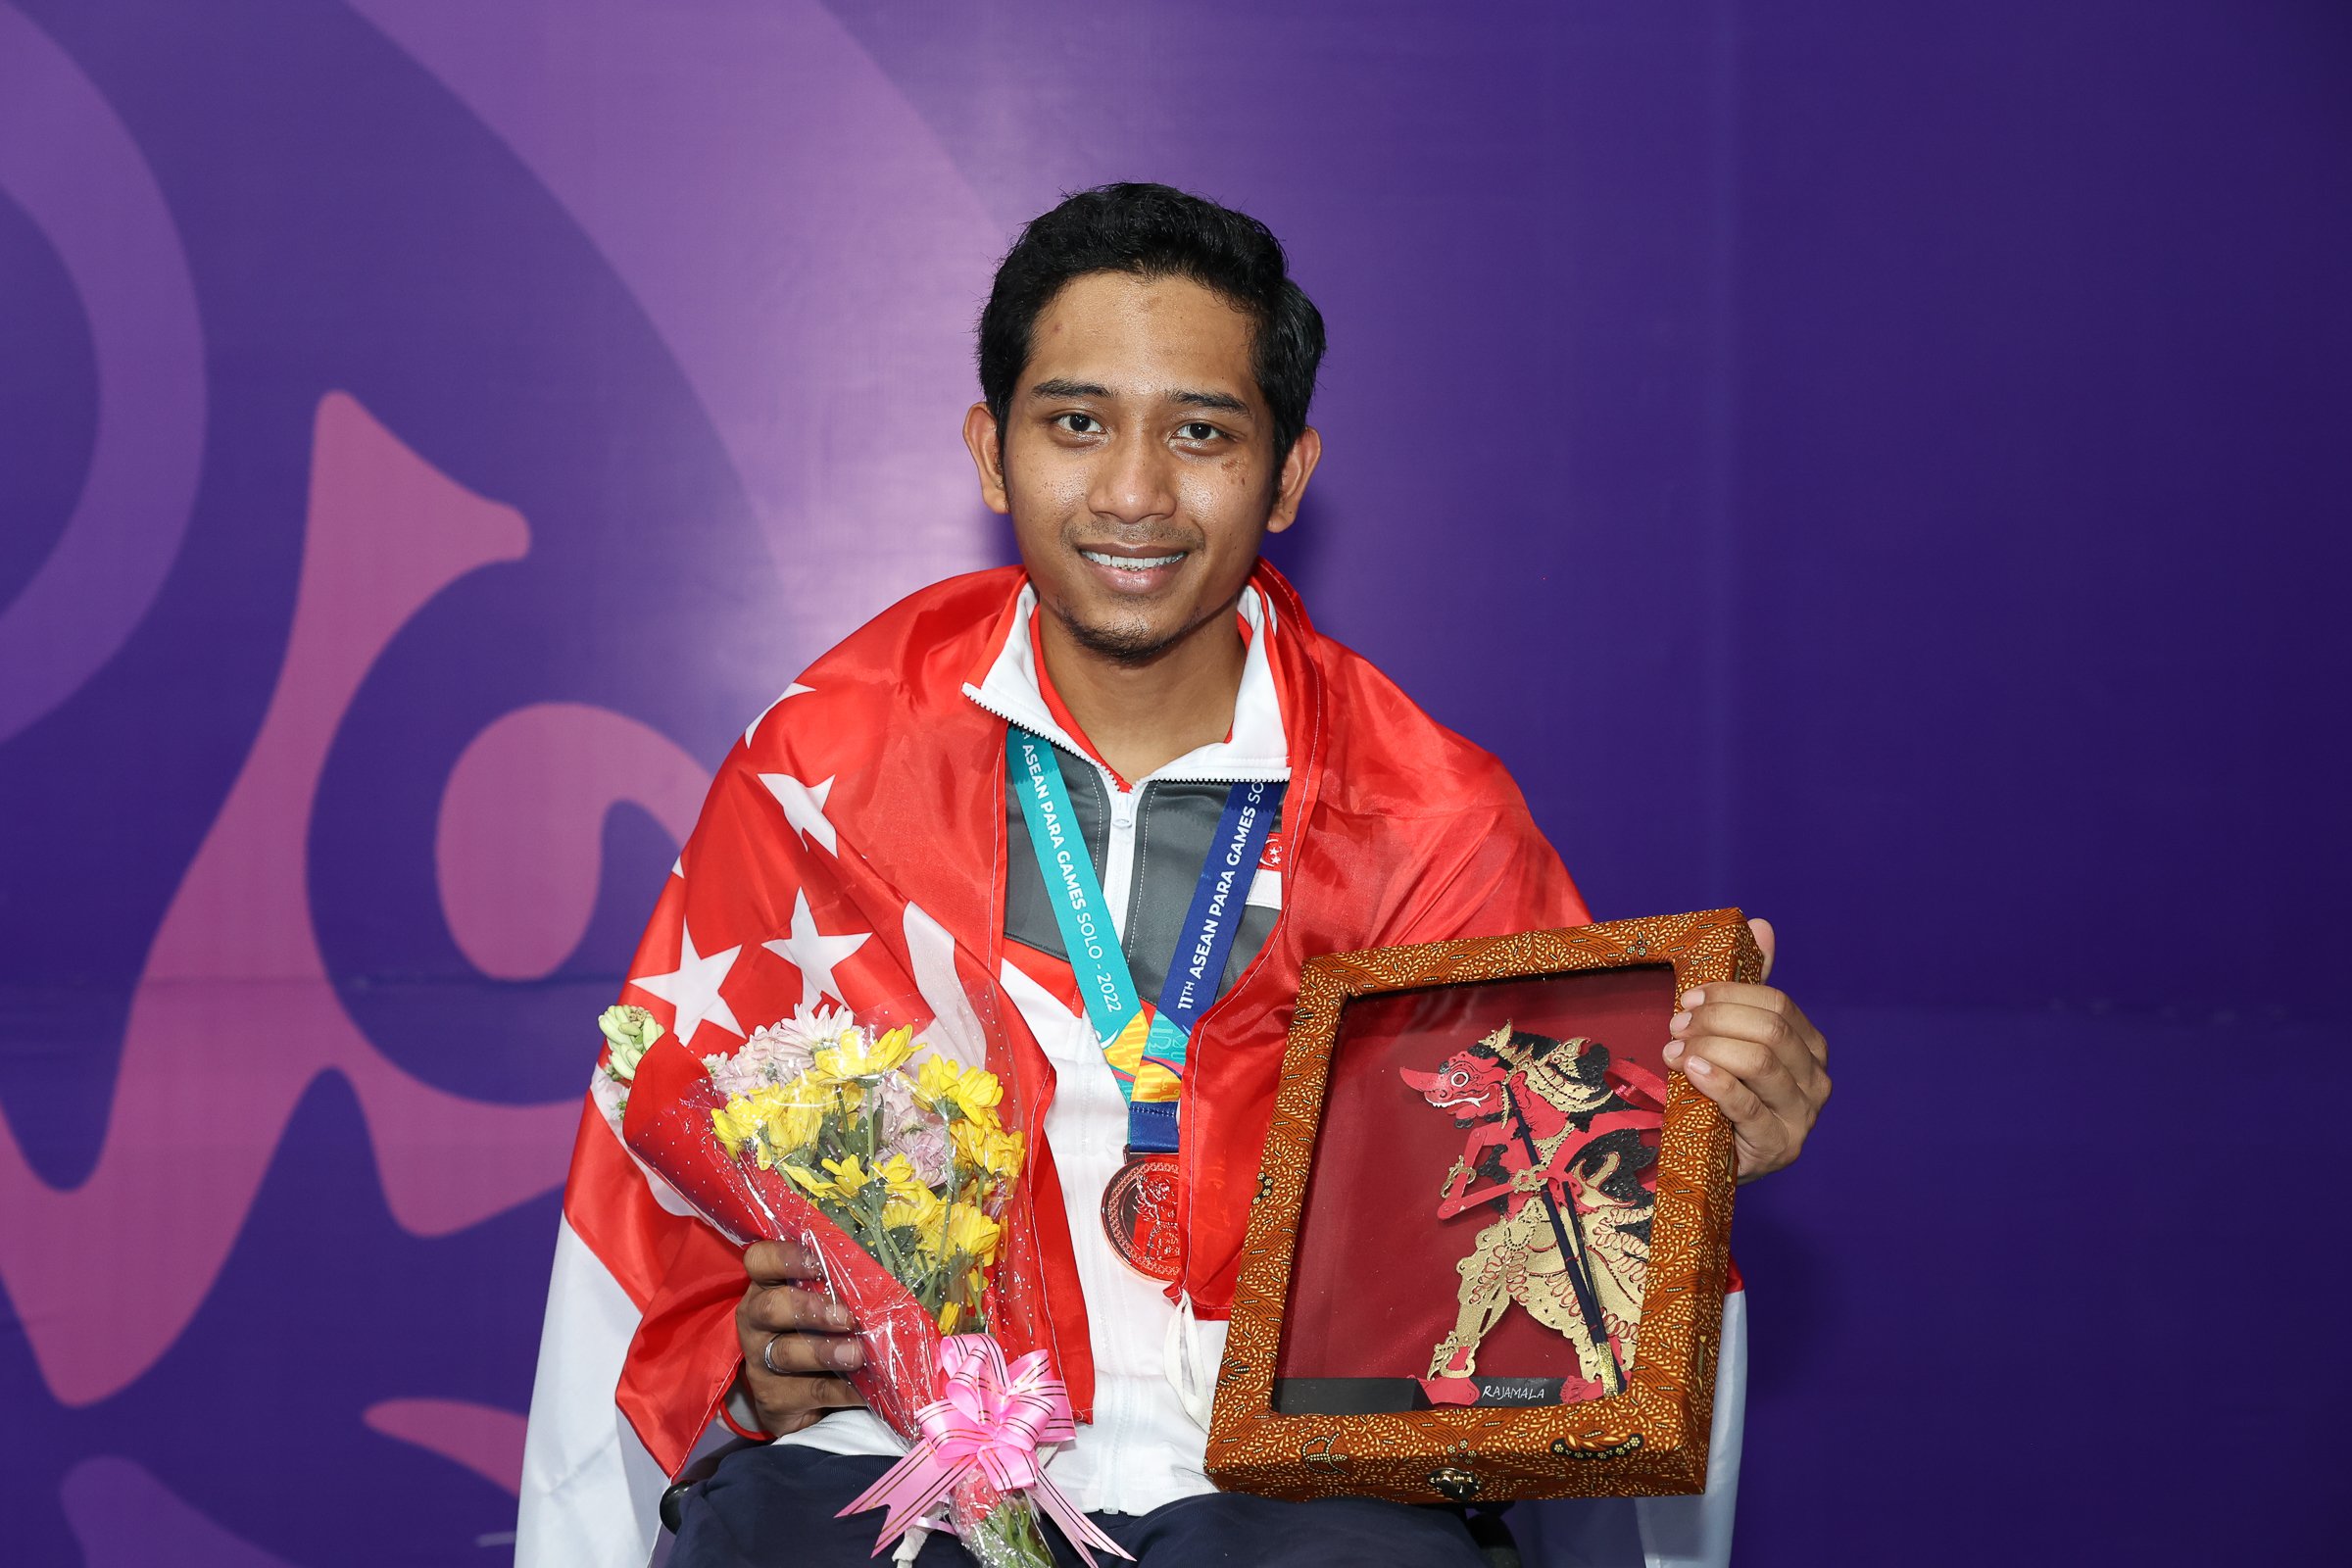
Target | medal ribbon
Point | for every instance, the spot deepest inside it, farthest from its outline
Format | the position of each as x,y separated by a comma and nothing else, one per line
1146,1049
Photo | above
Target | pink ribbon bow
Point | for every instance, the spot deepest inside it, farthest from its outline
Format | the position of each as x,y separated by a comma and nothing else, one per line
992,1419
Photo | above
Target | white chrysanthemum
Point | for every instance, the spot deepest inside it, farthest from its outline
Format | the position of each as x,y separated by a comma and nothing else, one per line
911,1127
901,1112
778,1052
926,1149
812,1029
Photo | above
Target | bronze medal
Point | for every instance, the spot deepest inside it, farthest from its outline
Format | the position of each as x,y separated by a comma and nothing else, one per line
1139,1215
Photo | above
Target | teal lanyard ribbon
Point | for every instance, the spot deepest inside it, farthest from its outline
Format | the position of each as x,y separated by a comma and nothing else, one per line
1146,1049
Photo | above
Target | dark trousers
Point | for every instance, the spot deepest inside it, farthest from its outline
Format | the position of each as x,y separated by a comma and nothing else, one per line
770,1507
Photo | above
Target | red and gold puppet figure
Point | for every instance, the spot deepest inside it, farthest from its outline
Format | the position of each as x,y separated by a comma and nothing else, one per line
1564,1145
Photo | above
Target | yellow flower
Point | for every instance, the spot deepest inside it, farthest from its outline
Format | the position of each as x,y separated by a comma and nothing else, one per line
795,1126
986,1151
791,1115
1003,1159
973,1234
816,1184
731,1132
978,1093
898,1173
856,1054
922,1212
948,1315
847,1175
935,1081
780,1119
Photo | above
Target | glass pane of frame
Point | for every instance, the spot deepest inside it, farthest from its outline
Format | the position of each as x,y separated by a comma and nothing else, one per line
1476,1227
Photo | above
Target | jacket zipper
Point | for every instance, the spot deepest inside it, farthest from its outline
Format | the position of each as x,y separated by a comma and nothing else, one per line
1183,1163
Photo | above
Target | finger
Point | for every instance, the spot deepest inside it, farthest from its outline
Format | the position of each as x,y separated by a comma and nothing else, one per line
818,1391
1762,999
1761,930
1770,998
1735,1098
784,1309
1764,1072
775,1263
803,1353
1732,1021
790,1404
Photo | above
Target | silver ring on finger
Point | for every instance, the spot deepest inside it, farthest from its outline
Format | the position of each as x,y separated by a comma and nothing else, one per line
767,1357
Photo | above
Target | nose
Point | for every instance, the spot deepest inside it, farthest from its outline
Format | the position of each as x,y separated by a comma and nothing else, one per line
1135,482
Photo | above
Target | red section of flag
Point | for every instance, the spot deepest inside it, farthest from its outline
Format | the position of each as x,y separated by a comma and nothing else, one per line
853,847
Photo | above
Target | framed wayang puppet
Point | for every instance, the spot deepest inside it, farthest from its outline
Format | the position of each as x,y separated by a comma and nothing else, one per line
1490,1246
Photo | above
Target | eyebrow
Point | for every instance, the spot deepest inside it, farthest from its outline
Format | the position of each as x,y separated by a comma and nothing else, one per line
1057,387
1211,399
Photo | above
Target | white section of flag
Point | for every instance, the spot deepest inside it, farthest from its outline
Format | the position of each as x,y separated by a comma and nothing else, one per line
954,1031
591,1494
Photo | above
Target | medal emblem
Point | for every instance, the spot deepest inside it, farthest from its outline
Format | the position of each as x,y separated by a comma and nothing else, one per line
1139,1215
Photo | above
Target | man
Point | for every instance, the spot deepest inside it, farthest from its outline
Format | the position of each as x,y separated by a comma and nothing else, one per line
1147,367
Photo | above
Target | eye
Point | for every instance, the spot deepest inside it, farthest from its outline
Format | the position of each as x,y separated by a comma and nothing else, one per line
1197,431
1079,423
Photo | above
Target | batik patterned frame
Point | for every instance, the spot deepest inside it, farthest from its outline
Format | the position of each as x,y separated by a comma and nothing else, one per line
1651,1440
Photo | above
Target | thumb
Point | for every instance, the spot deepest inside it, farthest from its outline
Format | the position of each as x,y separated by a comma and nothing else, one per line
1764,939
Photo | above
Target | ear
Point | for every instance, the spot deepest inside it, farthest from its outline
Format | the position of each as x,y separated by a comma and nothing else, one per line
985,443
1290,486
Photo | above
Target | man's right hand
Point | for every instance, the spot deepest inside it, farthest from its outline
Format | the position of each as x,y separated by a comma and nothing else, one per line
803,1336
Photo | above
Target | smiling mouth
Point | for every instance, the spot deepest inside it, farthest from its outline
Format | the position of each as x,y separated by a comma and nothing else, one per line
1118,562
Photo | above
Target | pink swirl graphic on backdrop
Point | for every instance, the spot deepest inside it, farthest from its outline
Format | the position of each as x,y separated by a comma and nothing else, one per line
796,233
522,818
234,1015
68,159
485,1440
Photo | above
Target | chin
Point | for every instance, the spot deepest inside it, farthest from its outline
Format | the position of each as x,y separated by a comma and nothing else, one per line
1127,639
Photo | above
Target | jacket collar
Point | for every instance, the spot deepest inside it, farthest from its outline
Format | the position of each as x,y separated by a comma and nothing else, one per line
1257,748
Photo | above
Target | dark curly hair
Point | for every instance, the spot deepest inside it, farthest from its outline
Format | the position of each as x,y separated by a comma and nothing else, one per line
1157,231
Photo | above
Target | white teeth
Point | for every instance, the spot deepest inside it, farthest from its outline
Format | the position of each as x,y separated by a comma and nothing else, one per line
1131,562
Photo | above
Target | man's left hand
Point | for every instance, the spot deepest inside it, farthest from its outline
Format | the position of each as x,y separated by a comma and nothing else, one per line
1751,1049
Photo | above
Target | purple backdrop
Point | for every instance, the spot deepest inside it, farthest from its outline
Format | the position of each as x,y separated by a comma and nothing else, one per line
1881,466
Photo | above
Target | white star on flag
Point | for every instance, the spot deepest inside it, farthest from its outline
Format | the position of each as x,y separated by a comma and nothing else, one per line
692,988
794,690
804,806
814,953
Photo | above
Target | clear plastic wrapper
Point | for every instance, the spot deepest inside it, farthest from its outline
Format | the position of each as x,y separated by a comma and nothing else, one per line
893,1165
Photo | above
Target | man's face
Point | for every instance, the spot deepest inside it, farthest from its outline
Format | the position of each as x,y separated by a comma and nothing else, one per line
1137,461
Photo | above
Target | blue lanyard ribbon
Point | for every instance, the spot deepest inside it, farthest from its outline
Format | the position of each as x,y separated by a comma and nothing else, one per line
1146,1049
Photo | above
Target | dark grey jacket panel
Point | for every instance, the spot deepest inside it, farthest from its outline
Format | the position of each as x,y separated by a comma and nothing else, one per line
1173,826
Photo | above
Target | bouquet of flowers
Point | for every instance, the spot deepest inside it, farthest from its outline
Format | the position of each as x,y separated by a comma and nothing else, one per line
816,1130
